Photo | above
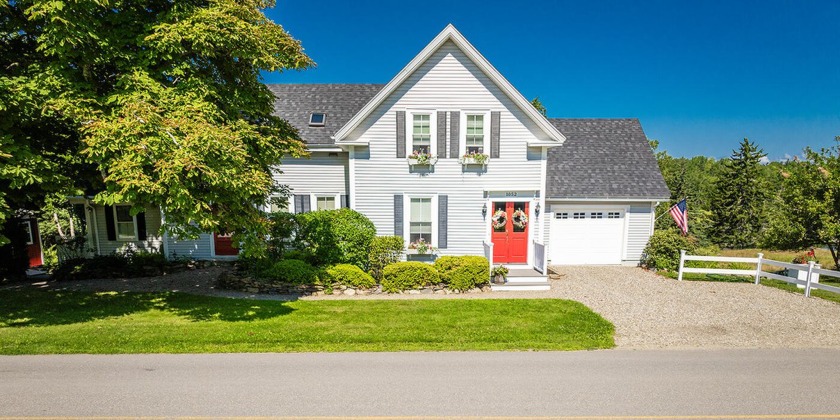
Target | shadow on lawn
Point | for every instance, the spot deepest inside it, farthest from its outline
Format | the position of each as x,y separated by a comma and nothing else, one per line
43,308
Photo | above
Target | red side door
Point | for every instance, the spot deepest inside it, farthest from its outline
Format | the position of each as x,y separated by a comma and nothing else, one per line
510,241
224,244
33,243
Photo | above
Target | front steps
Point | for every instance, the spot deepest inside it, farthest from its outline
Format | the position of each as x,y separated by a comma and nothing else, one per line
523,279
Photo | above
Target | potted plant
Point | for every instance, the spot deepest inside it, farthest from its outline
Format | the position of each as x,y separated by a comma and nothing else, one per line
474,158
421,247
421,158
499,274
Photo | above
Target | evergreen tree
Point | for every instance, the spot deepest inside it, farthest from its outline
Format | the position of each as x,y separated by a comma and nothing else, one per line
740,194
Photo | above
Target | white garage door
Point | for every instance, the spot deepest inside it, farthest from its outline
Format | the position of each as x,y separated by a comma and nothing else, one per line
586,236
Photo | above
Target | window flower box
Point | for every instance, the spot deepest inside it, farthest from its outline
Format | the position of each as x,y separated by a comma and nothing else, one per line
474,159
420,247
421,159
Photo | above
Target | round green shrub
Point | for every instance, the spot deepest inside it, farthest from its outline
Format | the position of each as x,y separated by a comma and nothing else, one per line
292,271
348,275
463,273
336,236
663,249
408,275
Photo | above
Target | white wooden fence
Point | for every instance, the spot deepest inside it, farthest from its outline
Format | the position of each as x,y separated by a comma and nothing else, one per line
758,273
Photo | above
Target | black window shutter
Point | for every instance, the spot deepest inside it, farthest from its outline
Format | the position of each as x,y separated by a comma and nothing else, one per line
441,134
495,133
398,215
443,220
400,134
110,227
345,201
454,134
141,226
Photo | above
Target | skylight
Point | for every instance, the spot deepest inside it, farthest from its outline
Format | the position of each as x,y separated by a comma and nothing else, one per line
317,118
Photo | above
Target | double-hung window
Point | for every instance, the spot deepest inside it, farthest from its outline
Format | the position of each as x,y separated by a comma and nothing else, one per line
475,134
27,229
126,225
420,224
421,134
325,202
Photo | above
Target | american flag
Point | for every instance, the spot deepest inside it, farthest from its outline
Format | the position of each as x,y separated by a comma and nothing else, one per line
679,212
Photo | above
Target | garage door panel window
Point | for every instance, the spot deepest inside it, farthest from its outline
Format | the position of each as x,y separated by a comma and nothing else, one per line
597,215
579,216
561,215
613,215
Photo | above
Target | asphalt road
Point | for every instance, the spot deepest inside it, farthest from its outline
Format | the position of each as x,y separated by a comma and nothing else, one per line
612,384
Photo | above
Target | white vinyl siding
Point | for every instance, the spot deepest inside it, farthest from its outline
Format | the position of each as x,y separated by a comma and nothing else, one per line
448,81
639,229
323,173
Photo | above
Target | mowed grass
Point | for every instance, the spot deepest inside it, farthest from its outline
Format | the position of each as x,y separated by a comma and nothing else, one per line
41,322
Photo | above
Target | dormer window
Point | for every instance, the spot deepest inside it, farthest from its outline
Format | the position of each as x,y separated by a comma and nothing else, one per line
316,119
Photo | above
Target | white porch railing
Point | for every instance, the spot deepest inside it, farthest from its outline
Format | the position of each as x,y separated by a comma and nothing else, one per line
488,253
759,262
539,257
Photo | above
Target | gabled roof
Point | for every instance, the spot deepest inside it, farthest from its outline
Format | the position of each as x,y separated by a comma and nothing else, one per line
340,102
451,34
608,159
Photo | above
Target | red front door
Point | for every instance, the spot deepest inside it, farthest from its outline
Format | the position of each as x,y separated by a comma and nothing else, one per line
509,232
33,242
224,244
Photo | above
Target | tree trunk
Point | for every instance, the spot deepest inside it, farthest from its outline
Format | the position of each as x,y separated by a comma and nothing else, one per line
72,228
834,248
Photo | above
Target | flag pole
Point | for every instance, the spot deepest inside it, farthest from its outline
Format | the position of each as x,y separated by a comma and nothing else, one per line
669,208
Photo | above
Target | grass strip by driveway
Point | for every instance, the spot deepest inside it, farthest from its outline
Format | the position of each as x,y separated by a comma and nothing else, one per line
41,322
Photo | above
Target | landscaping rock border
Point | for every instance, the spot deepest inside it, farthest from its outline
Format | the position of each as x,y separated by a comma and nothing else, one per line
244,283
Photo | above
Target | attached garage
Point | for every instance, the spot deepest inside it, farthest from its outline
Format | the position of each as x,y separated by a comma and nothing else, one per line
587,236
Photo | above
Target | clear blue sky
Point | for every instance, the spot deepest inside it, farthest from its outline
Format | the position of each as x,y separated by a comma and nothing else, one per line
700,75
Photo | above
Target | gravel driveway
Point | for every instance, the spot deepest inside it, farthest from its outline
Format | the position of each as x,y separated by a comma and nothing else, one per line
649,311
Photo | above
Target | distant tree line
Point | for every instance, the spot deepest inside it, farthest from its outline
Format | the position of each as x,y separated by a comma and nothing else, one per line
743,202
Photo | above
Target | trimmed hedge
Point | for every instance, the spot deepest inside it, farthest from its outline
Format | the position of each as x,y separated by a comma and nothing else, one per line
349,275
335,236
408,275
463,273
292,271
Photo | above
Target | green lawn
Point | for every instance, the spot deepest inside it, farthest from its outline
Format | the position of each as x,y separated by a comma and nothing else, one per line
40,322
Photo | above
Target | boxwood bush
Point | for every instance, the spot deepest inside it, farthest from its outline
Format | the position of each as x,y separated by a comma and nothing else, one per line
336,236
348,275
408,275
463,273
292,271
663,249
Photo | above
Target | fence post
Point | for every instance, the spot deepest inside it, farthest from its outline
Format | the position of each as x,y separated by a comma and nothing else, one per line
682,261
808,281
758,269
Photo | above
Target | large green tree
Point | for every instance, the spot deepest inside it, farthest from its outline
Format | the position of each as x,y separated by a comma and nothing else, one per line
152,102
740,195
809,203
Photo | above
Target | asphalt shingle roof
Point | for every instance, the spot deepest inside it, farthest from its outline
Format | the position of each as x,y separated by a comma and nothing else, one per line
340,102
603,159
